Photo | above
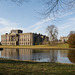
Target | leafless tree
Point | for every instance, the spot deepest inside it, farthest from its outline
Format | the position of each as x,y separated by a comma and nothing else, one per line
71,32
56,6
52,33
52,6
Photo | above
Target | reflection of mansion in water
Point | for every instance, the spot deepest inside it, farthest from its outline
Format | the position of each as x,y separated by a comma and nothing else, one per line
16,37
24,54
30,54
63,56
38,55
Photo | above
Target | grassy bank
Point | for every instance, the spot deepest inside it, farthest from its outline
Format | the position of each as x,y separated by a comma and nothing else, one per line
38,46
13,67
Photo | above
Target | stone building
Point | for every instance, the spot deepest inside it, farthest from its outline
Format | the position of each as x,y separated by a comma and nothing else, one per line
63,39
17,37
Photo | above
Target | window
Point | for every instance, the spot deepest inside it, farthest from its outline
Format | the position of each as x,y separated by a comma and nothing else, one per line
24,43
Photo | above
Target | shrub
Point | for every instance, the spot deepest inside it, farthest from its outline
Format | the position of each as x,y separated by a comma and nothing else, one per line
36,43
49,42
71,41
40,43
72,46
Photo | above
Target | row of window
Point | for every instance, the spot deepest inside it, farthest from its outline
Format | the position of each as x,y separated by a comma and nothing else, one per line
20,36
3,40
23,39
24,43
3,37
15,40
24,36
9,43
14,43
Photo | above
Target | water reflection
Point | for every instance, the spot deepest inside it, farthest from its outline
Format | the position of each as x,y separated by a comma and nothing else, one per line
45,55
71,56
63,56
23,54
53,55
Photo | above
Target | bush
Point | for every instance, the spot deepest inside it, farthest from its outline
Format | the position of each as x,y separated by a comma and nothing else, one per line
71,41
40,43
36,43
49,42
72,46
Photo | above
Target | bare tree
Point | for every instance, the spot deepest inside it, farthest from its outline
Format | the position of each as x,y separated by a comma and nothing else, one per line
56,6
71,32
52,6
52,33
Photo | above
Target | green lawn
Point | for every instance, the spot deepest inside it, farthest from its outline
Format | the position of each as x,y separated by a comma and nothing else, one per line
38,46
15,67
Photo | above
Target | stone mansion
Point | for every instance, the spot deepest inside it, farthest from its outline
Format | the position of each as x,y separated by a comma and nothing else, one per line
17,37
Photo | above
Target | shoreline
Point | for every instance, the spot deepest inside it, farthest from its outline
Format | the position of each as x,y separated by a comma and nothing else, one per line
38,48
18,60
42,47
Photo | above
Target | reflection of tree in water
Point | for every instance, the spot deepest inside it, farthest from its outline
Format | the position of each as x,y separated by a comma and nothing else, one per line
53,55
40,55
71,56
45,55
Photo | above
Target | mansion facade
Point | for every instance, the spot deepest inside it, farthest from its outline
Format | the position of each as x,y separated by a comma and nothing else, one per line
17,37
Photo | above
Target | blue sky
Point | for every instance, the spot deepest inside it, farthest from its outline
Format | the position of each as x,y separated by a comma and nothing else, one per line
27,17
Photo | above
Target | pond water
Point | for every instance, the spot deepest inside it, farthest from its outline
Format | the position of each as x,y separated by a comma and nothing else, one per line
62,56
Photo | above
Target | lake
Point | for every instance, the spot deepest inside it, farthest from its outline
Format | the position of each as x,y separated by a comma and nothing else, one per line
62,56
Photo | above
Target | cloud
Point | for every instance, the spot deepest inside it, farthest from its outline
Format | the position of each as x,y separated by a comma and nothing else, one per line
70,22
7,25
5,22
66,27
65,15
35,27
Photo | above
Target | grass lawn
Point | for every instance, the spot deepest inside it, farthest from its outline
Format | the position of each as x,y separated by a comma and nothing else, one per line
38,46
15,67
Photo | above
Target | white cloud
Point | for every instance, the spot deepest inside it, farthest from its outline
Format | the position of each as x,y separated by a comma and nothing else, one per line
7,25
69,23
62,15
38,25
5,22
66,27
